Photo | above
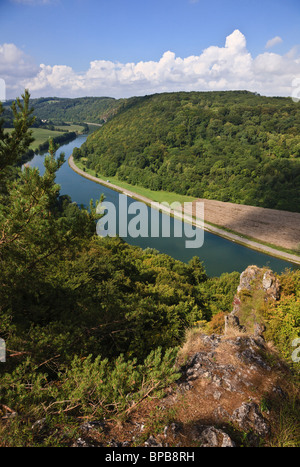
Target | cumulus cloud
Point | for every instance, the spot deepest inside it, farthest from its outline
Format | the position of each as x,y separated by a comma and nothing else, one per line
230,67
272,42
15,67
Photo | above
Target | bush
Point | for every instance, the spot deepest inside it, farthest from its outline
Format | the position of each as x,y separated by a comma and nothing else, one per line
283,324
88,386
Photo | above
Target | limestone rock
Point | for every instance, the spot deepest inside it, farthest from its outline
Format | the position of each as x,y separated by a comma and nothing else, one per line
220,375
251,278
249,418
251,353
118,444
152,442
271,285
248,277
259,330
81,443
212,437
233,322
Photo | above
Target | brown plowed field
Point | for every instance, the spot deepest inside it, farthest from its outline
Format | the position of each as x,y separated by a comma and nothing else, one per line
280,228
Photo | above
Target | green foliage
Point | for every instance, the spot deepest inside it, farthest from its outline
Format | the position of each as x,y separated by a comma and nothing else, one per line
23,388
218,293
89,387
229,146
59,140
101,389
92,386
283,317
287,411
106,298
16,143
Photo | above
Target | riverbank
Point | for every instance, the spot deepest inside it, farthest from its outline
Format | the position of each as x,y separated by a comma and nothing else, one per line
217,230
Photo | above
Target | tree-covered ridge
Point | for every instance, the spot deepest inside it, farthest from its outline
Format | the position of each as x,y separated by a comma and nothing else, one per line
84,109
229,146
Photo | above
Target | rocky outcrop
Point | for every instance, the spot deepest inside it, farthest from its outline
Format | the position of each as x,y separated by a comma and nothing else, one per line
233,322
249,418
248,278
271,286
212,437
217,401
234,375
253,281
254,278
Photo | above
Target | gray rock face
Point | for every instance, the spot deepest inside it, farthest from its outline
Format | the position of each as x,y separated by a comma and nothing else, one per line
251,354
204,365
152,443
248,277
225,376
212,437
251,280
81,443
229,368
249,417
233,322
269,283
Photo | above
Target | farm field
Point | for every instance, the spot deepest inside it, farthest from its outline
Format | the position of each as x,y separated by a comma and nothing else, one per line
71,127
270,226
40,136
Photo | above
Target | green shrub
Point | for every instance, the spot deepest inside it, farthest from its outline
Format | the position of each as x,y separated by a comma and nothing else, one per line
88,386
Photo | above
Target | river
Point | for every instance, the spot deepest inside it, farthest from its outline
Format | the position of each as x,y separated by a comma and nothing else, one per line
218,254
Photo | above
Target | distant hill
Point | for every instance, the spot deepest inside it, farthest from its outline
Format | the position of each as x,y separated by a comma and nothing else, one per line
83,109
230,146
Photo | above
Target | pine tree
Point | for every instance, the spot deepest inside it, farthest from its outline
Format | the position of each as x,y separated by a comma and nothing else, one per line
13,145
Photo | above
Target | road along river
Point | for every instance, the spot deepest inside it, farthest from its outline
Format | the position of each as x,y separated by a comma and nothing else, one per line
218,254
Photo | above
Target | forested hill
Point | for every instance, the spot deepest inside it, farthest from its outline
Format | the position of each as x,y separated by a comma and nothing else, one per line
230,146
83,109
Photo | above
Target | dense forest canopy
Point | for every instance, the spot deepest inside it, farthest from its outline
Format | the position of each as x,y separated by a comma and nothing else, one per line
230,146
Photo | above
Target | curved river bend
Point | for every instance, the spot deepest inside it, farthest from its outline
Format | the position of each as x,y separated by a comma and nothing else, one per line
218,254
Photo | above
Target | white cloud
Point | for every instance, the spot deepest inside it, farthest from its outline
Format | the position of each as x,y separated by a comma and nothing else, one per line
14,62
231,67
272,42
15,67
236,41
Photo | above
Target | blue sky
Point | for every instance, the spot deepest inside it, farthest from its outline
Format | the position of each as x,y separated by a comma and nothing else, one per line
89,47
